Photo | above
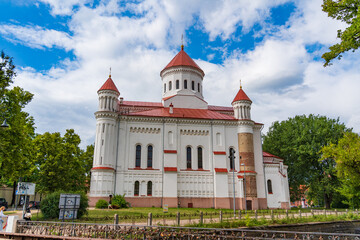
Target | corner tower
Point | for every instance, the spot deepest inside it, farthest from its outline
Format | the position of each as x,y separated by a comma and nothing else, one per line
182,82
242,106
104,163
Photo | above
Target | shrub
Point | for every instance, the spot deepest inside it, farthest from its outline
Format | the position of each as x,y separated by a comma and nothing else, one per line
101,204
118,201
50,205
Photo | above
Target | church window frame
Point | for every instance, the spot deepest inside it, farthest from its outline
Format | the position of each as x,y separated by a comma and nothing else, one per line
185,84
269,186
137,156
170,85
198,87
150,154
136,188
200,155
149,188
188,157
177,84
193,85
231,163
164,87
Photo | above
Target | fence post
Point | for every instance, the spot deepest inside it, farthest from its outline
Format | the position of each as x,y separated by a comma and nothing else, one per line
272,214
256,214
221,216
300,213
149,222
325,212
201,218
116,219
357,212
178,218
312,212
239,214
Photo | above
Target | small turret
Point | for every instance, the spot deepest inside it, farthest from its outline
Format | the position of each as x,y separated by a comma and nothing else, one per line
108,96
242,105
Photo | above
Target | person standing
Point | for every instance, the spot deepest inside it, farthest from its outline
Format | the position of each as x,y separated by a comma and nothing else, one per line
2,216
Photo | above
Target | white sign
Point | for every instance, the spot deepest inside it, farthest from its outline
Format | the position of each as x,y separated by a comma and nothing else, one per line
26,188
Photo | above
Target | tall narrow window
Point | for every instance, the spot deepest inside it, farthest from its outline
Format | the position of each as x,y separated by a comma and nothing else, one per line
193,85
136,188
150,156
138,156
200,158
231,158
269,185
170,85
164,87
149,188
198,87
185,84
177,84
188,157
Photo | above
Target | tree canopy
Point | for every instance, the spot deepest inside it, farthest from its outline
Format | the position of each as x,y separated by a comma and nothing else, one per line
298,141
347,11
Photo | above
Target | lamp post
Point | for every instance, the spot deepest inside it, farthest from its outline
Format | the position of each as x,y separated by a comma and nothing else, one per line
243,164
232,159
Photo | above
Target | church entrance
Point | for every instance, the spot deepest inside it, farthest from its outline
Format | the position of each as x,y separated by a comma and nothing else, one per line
248,204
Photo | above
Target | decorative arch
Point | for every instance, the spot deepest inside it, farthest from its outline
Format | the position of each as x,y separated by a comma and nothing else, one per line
150,149
185,84
188,157
269,186
136,188
200,157
138,156
149,188
177,84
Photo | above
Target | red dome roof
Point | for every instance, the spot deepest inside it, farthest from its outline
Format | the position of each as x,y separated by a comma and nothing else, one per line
109,85
183,59
241,95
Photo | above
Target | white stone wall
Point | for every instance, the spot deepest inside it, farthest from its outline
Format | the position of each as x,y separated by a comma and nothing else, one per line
280,186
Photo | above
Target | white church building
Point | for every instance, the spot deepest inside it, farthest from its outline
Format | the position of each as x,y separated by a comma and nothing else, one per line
178,151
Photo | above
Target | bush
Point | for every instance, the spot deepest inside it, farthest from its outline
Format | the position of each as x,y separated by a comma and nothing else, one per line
50,205
101,204
118,201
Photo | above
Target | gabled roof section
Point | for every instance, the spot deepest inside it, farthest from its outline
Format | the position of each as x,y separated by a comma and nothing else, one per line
184,113
266,154
109,85
183,59
241,95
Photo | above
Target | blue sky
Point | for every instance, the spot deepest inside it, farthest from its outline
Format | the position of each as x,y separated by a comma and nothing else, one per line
63,50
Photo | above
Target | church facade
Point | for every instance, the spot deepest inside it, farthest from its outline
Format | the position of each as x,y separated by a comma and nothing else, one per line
181,151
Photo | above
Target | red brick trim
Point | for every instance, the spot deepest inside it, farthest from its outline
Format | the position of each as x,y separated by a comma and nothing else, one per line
221,170
282,174
190,169
102,168
137,168
219,153
170,151
170,169
240,176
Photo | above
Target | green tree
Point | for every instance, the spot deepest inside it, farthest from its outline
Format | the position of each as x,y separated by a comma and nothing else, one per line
16,141
298,141
58,162
347,11
347,157
87,157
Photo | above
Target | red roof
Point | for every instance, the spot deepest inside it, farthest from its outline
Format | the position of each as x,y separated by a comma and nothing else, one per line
220,108
142,104
241,95
182,59
266,154
109,85
184,113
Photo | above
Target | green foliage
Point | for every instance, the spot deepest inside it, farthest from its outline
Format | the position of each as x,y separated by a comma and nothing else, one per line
59,163
101,204
118,201
298,141
347,157
347,11
50,205
16,141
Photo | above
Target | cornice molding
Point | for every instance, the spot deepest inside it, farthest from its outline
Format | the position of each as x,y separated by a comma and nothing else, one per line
177,69
106,114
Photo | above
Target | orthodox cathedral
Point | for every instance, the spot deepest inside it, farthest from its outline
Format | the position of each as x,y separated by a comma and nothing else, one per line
181,151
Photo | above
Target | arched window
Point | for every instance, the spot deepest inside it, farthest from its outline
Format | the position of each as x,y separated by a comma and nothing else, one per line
149,188
138,156
136,188
177,84
193,85
200,158
188,157
150,156
231,157
164,87
170,85
185,84
198,87
269,185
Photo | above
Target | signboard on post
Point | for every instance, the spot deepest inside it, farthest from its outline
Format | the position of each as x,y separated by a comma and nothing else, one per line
69,204
26,188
